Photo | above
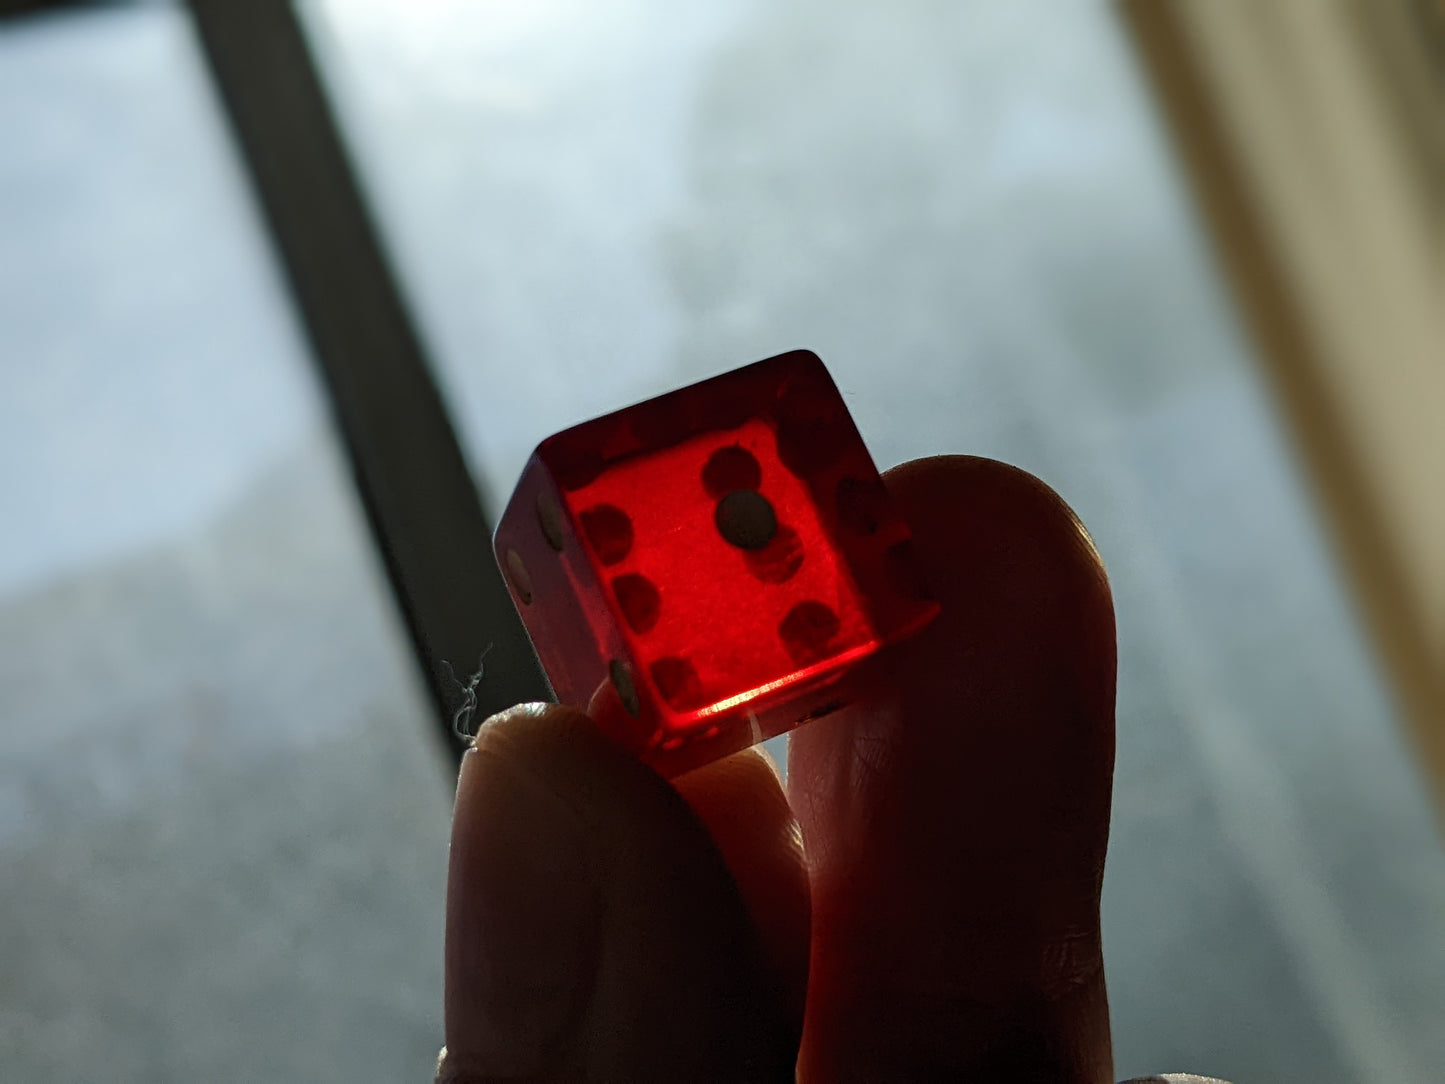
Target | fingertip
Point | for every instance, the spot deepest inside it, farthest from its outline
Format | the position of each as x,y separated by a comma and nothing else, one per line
523,905
1027,633
593,928
741,800
961,507
956,826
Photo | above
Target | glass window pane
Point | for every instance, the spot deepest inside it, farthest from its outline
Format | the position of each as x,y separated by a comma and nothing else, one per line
222,812
968,211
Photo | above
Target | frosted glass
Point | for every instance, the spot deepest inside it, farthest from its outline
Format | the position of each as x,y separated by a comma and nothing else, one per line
223,813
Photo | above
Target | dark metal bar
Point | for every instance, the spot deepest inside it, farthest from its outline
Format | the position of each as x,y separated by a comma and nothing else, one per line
11,8
425,511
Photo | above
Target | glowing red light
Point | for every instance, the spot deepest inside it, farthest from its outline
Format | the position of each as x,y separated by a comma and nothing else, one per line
716,557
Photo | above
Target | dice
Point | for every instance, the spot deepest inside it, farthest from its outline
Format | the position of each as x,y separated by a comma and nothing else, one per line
706,569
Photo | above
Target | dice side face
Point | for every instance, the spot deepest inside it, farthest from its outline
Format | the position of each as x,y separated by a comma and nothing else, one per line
729,547
555,590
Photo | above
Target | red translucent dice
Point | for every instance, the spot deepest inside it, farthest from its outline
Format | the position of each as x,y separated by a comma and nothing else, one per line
706,567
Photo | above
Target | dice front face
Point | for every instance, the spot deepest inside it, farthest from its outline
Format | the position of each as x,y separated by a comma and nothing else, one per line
719,556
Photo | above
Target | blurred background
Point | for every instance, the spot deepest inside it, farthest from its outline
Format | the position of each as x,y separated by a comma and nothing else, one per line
1089,239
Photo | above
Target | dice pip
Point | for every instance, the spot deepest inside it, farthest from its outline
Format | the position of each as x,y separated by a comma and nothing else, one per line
706,568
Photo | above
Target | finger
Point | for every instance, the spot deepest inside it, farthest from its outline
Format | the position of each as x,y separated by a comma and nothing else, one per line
741,801
593,929
956,828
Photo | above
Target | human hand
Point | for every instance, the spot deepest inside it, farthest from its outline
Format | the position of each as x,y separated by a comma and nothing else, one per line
943,924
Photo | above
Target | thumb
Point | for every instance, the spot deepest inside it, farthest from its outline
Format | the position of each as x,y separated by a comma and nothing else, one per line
593,929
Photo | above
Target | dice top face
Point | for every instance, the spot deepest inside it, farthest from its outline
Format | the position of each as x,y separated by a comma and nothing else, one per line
730,544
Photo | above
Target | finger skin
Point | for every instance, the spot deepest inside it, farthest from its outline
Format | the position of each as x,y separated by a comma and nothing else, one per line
593,928
956,828
741,800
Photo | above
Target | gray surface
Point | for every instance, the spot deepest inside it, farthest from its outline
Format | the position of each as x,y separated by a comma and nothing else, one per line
222,823
222,815
224,840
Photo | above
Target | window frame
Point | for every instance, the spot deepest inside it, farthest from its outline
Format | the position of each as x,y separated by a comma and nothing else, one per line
426,513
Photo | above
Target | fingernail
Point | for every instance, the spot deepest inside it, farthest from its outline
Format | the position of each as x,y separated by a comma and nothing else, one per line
522,918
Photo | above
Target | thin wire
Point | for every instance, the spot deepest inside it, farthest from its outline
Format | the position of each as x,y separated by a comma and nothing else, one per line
462,717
